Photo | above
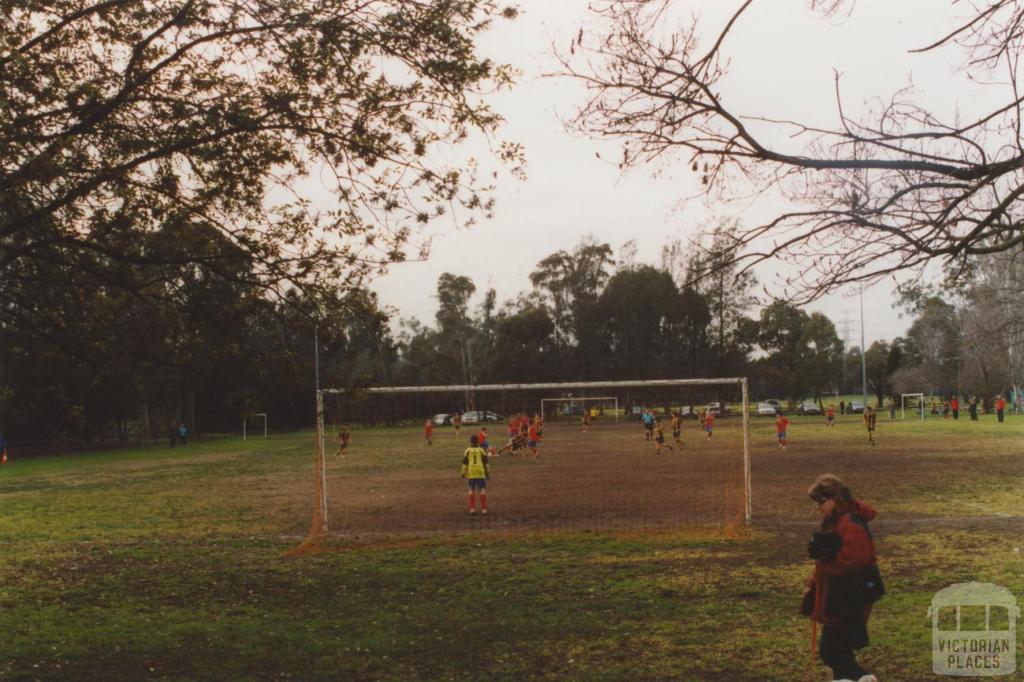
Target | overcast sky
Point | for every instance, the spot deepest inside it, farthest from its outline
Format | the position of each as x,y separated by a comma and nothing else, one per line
784,58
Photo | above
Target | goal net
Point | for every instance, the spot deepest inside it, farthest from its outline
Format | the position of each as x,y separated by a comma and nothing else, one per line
388,458
915,401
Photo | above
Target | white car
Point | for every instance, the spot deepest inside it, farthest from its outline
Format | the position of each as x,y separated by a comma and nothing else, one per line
808,407
855,407
767,409
714,409
442,419
478,416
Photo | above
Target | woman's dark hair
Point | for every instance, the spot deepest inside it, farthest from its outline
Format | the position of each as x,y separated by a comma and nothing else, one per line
829,487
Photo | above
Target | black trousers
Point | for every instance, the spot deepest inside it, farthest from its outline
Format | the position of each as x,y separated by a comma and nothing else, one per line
837,652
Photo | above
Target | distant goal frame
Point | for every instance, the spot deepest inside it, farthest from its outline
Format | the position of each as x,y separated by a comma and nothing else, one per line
572,400
321,463
903,403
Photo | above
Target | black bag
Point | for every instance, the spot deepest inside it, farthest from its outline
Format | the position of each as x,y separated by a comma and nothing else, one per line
824,546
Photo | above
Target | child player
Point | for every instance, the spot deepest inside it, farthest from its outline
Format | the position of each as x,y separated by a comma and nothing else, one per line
474,470
482,440
830,415
428,432
344,437
709,422
659,437
533,439
677,427
781,424
869,423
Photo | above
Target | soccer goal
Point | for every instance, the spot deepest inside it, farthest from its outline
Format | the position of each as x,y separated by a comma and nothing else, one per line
903,404
391,464
254,415
570,406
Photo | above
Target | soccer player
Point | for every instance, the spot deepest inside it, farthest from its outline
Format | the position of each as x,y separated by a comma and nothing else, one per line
428,432
1000,408
474,470
648,420
659,437
830,415
585,421
533,439
677,427
869,423
482,440
954,405
3,449
781,424
709,422
457,423
344,437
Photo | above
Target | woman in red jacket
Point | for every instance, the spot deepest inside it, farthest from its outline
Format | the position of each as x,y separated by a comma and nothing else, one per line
846,581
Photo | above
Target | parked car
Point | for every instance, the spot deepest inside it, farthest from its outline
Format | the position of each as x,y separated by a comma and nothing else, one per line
715,409
776,403
479,416
442,419
767,409
808,407
636,412
855,407
573,410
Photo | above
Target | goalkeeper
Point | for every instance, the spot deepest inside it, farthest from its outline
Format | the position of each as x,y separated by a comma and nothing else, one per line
475,470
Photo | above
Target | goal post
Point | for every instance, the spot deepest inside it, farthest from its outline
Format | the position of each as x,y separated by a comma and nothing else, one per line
579,400
405,407
246,419
903,404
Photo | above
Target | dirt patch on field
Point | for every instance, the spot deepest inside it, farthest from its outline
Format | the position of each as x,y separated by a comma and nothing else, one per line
609,478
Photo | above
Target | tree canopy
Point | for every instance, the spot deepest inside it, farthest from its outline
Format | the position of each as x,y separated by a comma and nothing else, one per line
889,192
165,134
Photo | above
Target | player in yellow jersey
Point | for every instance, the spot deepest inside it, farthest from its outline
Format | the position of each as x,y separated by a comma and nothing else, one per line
659,437
677,429
474,470
869,423
344,437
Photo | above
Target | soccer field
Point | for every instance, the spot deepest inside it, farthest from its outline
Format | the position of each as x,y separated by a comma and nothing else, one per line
601,560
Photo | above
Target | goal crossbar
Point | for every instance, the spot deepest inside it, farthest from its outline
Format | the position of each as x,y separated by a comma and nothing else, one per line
741,382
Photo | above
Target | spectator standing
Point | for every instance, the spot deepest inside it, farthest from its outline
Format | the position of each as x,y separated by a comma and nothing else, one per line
842,407
846,582
183,434
972,407
1000,408
954,406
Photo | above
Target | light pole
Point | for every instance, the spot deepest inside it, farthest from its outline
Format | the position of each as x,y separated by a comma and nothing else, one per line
863,350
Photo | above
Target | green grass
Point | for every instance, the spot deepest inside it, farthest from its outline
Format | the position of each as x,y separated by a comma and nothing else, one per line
171,564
